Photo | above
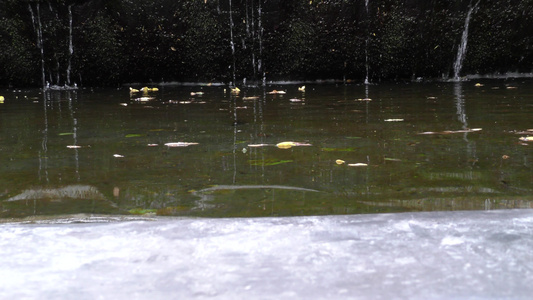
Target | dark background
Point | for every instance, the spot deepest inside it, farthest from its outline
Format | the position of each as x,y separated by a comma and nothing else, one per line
120,41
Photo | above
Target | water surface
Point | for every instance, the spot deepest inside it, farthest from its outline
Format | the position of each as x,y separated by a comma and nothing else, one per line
103,151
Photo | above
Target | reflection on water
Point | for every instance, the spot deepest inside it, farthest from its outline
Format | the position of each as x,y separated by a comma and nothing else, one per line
103,151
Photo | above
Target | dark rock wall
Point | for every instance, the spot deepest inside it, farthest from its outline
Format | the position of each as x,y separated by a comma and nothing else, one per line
119,41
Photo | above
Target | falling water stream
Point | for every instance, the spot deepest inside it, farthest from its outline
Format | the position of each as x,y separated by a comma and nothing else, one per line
70,47
37,26
232,44
461,50
366,46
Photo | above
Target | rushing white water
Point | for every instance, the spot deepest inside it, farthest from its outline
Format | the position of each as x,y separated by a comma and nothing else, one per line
461,50
434,255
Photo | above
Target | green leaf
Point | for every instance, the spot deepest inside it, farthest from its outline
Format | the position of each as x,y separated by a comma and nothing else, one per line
268,162
339,149
140,211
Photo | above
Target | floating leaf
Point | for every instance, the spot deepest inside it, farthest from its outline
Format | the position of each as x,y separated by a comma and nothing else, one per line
144,99
153,145
276,92
118,155
338,149
450,132
133,135
358,165
259,145
147,89
392,159
180,144
250,98
66,133
197,93
393,120
73,146
364,99
268,162
339,161
288,145
301,88
526,139
296,100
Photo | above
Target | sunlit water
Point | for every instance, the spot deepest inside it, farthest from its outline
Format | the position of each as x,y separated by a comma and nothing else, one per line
103,151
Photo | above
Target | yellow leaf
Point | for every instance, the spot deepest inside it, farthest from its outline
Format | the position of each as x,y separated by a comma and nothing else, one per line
285,145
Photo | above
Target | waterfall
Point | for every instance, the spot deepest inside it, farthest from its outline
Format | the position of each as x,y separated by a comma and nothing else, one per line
260,67
231,40
461,50
366,46
37,26
70,48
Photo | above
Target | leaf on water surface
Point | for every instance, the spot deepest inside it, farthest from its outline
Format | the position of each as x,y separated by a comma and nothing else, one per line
526,139
250,98
66,133
393,120
288,145
73,147
118,155
179,144
392,159
147,89
450,132
144,99
358,165
133,135
123,104
197,93
340,162
268,162
276,92
259,145
338,149
363,99
153,145
296,100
